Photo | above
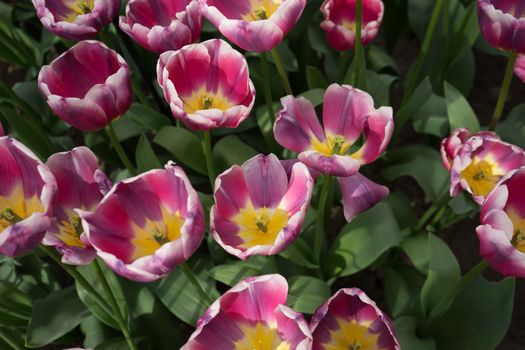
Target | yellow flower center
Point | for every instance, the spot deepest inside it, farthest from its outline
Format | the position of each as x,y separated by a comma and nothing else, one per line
16,207
150,237
81,7
262,9
260,337
518,224
482,175
348,25
202,100
333,145
260,226
352,336
70,231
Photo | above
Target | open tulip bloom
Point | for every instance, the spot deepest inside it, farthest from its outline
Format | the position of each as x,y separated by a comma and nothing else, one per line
252,315
339,22
502,23
502,230
164,25
78,189
253,25
76,19
88,86
207,85
147,225
481,163
27,189
257,210
351,320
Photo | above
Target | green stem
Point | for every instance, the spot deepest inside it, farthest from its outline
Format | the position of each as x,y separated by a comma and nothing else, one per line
6,337
282,72
447,300
206,147
190,275
343,64
142,98
319,232
114,305
267,86
120,151
430,211
414,74
507,79
358,45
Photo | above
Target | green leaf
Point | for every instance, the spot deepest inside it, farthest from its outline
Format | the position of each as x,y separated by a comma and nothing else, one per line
379,87
230,151
96,332
55,315
299,253
307,293
147,118
362,241
402,286
315,78
460,114
421,94
378,60
145,156
315,96
431,118
184,145
512,128
407,332
265,124
232,273
28,91
15,306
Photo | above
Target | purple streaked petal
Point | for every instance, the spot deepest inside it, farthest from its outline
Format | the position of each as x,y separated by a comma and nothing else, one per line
334,165
360,194
266,180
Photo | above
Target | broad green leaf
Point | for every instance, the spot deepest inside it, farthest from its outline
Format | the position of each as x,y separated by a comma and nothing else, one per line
512,128
230,151
379,60
184,145
379,87
315,96
96,332
407,332
307,293
15,306
362,241
315,78
460,114
28,91
265,124
299,253
402,286
421,94
234,272
147,118
145,156
431,118
54,316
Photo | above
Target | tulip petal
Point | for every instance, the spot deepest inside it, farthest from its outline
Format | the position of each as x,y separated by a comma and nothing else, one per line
360,194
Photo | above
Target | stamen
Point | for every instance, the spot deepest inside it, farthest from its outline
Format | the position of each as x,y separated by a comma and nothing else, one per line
77,225
9,215
261,14
479,176
160,237
339,142
354,346
262,224
518,238
207,102
85,7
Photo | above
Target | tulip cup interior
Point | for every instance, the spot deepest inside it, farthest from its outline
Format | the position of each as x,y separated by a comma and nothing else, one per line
515,209
15,207
340,15
252,10
150,13
260,226
512,7
68,11
482,175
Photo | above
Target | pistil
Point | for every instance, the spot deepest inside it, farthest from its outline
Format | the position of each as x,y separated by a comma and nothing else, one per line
10,216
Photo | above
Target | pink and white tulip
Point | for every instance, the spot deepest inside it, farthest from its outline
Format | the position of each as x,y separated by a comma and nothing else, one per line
207,85
502,230
88,86
253,25
164,25
27,189
252,315
519,69
258,210
351,320
481,163
348,114
502,23
76,19
147,225
339,22
78,189
451,145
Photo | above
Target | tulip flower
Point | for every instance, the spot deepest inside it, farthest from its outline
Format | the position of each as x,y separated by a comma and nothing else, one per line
78,189
481,163
502,230
257,210
87,86
253,25
162,25
451,145
207,85
351,320
339,22
147,225
27,189
348,114
252,315
502,24
519,69
360,194
76,19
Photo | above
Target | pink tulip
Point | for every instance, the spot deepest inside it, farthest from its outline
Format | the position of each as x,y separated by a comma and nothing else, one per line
78,189
519,69
502,230
451,145
87,86
147,225
502,24
27,189
339,22
360,194
76,19
252,315
481,163
348,114
351,320
253,25
258,210
162,25
207,85
2,132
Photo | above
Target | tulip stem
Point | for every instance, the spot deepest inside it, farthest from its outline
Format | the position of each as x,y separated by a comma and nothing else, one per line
114,306
190,275
343,64
282,72
120,151
504,91
414,73
321,208
267,86
445,302
430,211
206,147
